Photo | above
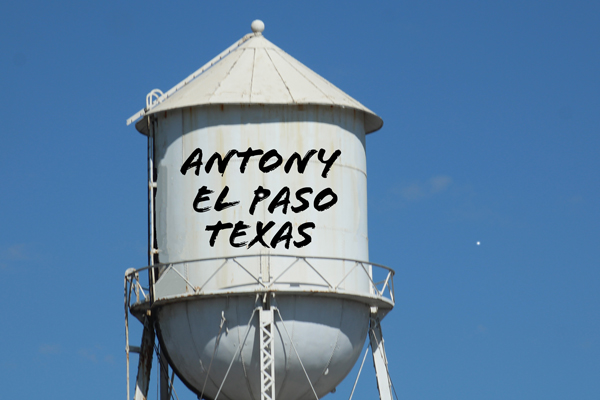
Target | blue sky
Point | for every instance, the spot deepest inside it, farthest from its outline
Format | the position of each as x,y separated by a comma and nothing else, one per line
491,133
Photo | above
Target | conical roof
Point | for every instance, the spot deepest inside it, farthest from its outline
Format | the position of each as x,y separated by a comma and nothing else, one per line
255,71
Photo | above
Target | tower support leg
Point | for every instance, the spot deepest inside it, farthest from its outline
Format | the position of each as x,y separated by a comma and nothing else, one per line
164,376
267,355
145,361
384,383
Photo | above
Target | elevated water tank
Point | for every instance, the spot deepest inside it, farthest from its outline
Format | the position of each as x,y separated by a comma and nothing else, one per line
261,204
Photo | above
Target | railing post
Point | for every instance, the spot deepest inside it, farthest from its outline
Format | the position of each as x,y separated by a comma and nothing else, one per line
127,330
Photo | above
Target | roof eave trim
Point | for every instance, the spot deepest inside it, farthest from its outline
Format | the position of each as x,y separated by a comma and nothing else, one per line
373,122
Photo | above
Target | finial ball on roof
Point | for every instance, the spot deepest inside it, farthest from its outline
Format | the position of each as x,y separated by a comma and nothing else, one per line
257,26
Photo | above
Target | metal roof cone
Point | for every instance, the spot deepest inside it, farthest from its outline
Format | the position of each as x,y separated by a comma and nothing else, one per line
254,71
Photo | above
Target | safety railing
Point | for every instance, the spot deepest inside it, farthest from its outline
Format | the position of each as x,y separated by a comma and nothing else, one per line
134,291
379,278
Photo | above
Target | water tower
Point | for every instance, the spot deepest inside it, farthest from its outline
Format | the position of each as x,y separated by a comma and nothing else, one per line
259,284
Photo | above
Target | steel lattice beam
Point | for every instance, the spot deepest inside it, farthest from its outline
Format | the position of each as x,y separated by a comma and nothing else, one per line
267,357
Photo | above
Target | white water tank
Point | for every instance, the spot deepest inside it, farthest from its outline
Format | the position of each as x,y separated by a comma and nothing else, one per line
278,217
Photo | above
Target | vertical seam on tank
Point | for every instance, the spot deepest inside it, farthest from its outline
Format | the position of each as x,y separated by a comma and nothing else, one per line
182,148
182,138
348,98
226,76
309,81
252,75
337,339
187,317
187,314
286,353
281,77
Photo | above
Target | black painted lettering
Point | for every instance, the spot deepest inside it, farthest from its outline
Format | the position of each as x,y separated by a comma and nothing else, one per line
215,229
302,162
202,196
329,162
318,203
282,199
259,195
283,234
260,232
307,238
245,155
221,162
219,205
304,203
191,162
262,164
238,231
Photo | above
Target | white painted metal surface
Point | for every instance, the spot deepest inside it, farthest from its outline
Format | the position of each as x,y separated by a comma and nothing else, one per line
327,333
256,71
340,231
257,26
211,301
